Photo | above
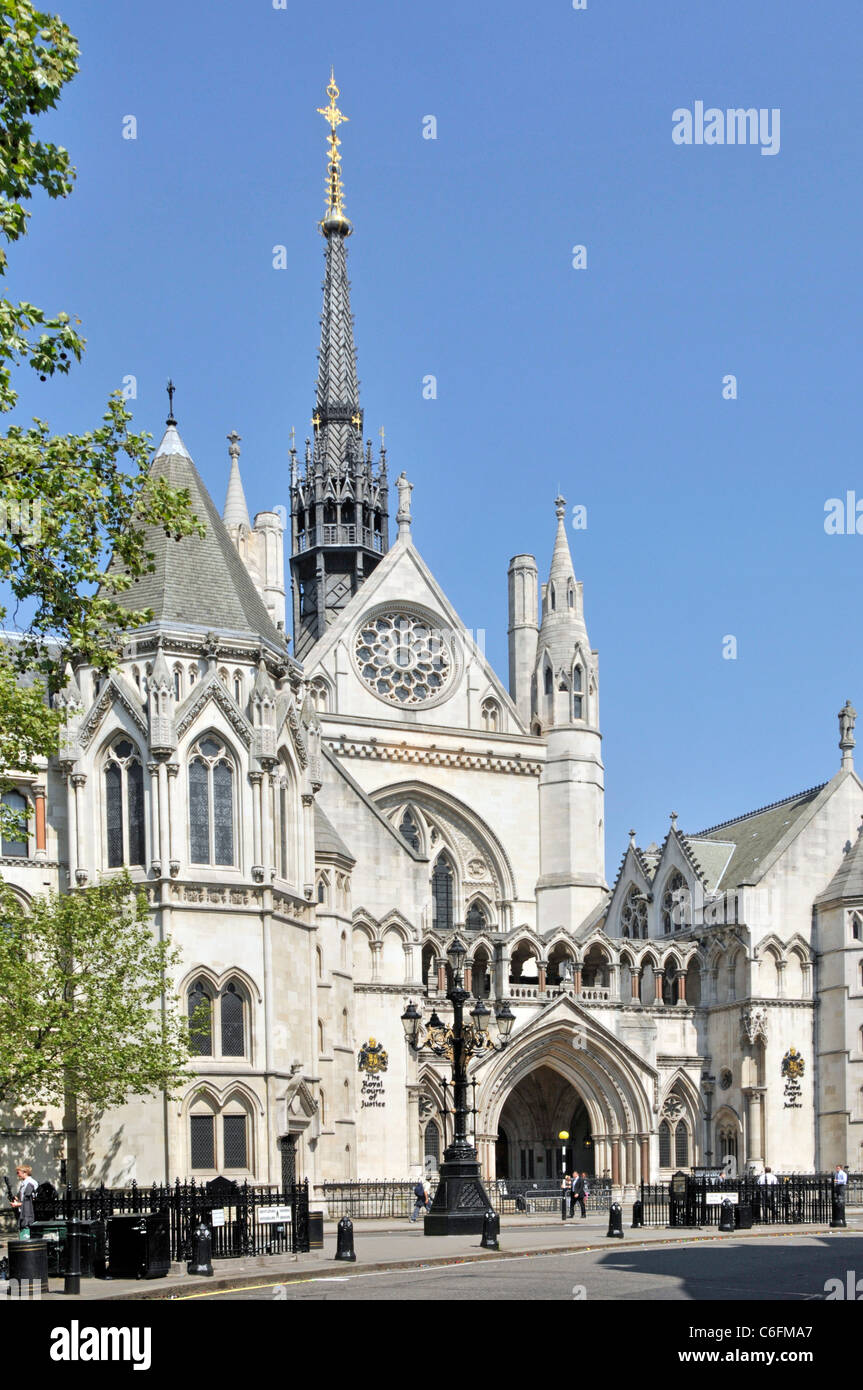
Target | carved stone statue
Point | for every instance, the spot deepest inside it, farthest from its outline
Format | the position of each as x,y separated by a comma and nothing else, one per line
405,489
847,716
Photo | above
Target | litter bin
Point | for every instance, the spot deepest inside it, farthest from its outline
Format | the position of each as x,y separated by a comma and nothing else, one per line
55,1233
28,1263
139,1247
316,1230
743,1216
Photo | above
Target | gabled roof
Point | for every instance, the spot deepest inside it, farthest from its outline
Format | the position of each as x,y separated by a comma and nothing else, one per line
199,580
750,841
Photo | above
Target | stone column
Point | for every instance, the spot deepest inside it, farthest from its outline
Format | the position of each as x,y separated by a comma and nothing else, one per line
707,1089
71,829
172,811
257,863
681,986
576,977
631,1167
79,781
441,975
376,948
541,971
415,1144
614,979
615,1160
266,826
754,1124
164,822
634,982
155,861
644,1145
468,976
657,985
408,948
780,982
41,835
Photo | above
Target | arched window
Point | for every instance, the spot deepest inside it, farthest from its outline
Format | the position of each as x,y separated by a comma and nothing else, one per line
219,1137
202,1141
549,683
475,919
726,1137
322,1107
431,1147
238,687
409,830
675,903
321,1047
319,693
319,956
633,915
211,803
288,819
577,695
490,716
570,595
346,1027
17,804
200,1020
178,682
235,1140
233,1023
322,889
856,925
681,1145
124,805
665,1145
442,883
551,597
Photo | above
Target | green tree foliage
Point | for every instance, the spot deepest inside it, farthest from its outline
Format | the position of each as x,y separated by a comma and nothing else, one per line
67,503
82,1008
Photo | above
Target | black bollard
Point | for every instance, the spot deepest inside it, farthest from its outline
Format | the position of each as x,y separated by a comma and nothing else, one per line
837,1208
563,1207
637,1214
201,1262
490,1231
615,1221
726,1216
72,1279
345,1240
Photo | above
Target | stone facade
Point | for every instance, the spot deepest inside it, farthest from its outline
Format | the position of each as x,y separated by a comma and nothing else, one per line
312,835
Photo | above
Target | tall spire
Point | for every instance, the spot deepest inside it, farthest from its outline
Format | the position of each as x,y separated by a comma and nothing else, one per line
235,513
339,506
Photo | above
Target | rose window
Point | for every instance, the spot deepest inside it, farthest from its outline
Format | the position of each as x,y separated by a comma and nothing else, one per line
402,658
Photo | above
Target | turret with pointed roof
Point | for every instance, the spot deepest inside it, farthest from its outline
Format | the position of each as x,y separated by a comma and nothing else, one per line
565,685
200,582
339,507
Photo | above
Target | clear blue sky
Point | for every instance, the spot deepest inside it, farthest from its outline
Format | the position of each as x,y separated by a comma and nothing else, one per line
554,129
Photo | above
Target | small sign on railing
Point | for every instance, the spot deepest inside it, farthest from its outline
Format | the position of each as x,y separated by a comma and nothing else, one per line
269,1216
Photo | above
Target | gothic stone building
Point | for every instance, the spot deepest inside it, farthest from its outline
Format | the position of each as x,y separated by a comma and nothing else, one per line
312,824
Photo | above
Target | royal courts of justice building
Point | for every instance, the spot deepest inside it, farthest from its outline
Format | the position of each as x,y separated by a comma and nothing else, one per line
313,819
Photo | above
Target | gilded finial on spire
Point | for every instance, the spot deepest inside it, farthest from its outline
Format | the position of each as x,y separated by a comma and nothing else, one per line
334,219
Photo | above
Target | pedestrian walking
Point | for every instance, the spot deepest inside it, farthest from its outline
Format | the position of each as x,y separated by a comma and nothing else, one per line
421,1198
24,1200
578,1194
768,1180
566,1195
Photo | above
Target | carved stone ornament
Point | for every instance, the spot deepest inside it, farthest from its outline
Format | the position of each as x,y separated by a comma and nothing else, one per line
672,1108
725,1079
753,1026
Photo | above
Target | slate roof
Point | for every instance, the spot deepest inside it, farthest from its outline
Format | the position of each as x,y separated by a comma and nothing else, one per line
199,580
750,838
327,838
847,882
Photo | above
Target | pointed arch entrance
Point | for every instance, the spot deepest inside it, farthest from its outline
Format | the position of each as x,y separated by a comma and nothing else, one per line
535,1112
605,1090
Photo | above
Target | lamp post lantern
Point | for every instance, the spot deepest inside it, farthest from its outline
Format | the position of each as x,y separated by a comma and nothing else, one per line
460,1201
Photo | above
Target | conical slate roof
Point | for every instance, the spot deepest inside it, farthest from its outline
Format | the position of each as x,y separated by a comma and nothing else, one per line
199,580
847,882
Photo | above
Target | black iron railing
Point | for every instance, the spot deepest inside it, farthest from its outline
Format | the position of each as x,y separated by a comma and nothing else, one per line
794,1199
232,1210
508,1196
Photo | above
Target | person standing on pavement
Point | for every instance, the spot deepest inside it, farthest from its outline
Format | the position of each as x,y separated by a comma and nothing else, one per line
578,1193
24,1200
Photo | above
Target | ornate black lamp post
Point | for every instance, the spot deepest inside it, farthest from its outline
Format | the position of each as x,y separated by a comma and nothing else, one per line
460,1201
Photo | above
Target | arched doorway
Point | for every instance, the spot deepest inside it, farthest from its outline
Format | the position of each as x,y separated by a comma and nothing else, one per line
541,1105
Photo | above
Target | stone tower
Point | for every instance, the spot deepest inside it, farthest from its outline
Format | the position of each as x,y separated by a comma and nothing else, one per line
339,510
523,581
565,709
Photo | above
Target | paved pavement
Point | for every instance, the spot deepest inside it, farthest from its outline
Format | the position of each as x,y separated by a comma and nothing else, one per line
386,1245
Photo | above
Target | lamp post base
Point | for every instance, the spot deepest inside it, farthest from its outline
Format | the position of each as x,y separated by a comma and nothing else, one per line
460,1202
